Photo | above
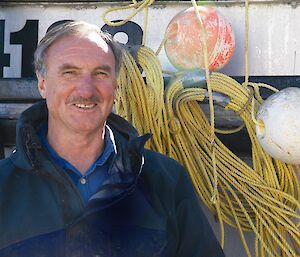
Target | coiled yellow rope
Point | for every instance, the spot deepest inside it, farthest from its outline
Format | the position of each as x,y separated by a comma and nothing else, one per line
263,198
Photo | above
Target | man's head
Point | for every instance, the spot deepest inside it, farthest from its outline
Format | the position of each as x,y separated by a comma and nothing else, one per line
76,66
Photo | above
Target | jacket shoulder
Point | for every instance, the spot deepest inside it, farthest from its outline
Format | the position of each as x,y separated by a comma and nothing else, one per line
162,168
7,171
6,167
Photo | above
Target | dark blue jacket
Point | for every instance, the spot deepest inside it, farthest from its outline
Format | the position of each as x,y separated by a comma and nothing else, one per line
149,208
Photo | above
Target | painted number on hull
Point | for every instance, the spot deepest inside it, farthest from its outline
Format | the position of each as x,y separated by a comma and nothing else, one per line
27,37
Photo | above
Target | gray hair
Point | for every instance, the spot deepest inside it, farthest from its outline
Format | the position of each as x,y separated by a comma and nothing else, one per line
74,28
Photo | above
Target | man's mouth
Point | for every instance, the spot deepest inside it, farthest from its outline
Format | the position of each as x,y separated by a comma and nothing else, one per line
85,106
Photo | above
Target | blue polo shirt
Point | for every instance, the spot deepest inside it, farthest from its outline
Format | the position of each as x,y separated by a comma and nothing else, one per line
90,181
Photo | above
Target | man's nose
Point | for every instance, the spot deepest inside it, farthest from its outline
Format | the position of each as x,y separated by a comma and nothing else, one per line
86,86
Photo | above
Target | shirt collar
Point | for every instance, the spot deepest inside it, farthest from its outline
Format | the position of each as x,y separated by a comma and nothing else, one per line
109,149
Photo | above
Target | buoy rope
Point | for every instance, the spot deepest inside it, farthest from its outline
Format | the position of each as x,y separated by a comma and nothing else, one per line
146,12
246,42
210,97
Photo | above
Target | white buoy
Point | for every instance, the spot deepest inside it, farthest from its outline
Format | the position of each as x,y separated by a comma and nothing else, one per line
279,132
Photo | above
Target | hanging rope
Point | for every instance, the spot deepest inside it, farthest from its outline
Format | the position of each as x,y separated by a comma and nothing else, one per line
211,104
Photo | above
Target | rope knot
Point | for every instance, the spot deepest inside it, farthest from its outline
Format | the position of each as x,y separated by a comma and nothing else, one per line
248,102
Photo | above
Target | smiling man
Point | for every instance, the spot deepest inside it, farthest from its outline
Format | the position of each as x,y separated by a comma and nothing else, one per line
80,182
79,86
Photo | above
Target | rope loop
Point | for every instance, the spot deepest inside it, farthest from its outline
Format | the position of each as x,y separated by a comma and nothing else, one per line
137,5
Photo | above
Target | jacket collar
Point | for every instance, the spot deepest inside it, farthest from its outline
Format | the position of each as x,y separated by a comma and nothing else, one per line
27,140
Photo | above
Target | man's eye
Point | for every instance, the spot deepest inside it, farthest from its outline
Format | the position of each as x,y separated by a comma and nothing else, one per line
69,73
101,74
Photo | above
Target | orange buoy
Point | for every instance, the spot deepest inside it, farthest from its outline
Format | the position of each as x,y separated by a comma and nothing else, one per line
184,46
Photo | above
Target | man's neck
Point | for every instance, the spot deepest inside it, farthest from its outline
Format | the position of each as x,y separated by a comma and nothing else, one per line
81,150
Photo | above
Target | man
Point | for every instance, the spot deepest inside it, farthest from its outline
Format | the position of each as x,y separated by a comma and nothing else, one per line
80,182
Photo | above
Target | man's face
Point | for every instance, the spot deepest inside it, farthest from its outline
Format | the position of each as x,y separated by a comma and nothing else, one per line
80,84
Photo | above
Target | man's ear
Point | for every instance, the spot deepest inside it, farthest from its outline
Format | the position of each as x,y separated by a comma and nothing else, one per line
116,88
41,85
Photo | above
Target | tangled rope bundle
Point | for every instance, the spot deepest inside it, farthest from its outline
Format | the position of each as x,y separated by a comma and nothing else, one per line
263,198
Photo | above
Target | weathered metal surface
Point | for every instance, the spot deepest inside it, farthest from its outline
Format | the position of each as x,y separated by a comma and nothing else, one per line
12,111
126,1
15,90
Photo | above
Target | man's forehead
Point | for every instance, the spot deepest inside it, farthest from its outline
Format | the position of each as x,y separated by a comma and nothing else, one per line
75,50
77,41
